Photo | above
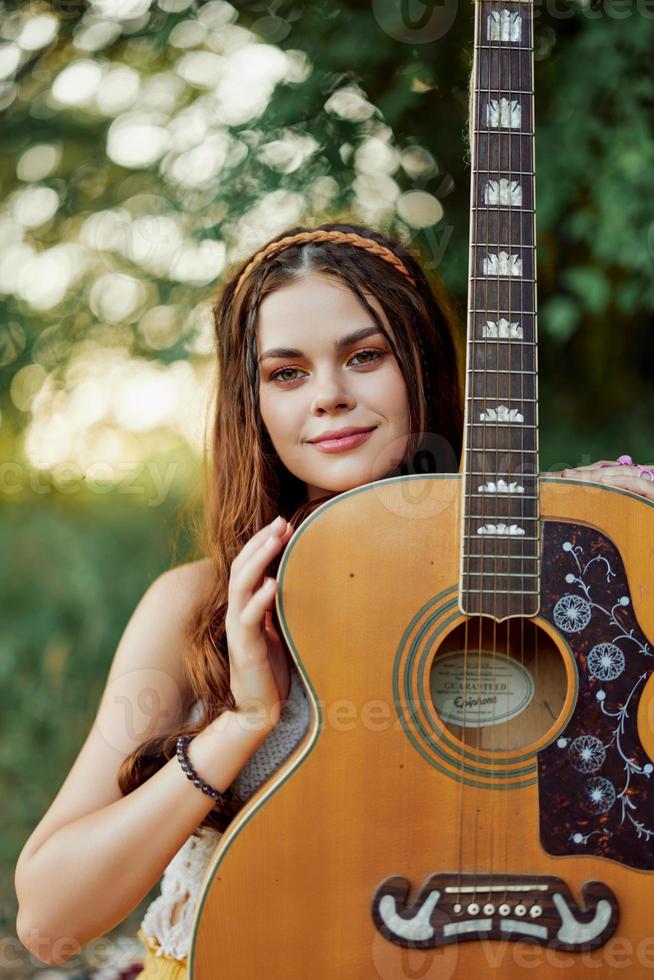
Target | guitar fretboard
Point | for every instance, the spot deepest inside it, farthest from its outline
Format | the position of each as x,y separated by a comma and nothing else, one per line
501,528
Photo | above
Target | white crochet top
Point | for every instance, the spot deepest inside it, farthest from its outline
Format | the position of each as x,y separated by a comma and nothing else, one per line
185,872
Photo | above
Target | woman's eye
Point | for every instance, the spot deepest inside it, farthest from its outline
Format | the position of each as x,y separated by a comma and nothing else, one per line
277,375
377,354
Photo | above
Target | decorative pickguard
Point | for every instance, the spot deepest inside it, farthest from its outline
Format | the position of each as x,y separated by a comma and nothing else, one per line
452,908
595,780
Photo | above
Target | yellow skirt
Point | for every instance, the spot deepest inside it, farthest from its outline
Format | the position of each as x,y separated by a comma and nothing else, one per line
162,967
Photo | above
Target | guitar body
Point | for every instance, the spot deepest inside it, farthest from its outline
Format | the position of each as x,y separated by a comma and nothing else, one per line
403,837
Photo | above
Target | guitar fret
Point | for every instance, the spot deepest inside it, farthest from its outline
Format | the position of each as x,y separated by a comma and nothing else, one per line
504,574
507,94
501,517
498,277
512,398
491,313
518,342
503,371
497,46
504,245
501,557
494,494
495,208
509,172
514,132
501,424
501,537
507,591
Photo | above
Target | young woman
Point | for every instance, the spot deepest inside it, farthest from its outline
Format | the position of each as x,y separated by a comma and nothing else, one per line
321,332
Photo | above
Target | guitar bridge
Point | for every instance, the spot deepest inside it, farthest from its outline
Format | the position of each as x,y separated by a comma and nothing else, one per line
453,908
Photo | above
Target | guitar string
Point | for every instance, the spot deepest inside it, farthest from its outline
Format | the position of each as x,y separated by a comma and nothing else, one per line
532,266
469,467
510,318
481,375
501,139
534,375
513,6
534,632
520,10
485,13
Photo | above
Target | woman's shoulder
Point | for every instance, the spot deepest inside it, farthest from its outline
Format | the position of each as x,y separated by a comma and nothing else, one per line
191,581
180,592
174,599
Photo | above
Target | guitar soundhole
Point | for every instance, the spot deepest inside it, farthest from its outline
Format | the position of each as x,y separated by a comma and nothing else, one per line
498,686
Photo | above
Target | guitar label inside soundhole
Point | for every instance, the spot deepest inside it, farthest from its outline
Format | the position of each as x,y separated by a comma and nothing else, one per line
474,690
512,692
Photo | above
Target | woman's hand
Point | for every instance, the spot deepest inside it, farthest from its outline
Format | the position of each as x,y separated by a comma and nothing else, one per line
615,474
259,677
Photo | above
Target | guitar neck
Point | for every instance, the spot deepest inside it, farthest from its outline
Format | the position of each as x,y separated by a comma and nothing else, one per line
500,533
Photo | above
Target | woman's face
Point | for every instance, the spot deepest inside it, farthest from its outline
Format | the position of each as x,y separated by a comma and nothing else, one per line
315,387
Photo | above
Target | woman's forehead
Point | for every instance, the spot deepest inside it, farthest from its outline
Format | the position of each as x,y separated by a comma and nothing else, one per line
313,310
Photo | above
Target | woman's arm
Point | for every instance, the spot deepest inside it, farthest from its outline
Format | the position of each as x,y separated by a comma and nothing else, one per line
93,872
96,854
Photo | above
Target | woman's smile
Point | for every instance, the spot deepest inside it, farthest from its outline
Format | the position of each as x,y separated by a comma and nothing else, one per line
342,443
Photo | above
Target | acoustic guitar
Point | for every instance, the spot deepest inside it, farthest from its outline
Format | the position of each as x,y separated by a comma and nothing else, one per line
473,796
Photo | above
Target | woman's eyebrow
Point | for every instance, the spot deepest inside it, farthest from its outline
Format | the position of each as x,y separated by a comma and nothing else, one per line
339,345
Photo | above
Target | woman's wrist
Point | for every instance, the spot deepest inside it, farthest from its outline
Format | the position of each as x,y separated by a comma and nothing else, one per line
219,752
249,723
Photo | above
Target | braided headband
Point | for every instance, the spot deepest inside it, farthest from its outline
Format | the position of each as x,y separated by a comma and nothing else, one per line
340,237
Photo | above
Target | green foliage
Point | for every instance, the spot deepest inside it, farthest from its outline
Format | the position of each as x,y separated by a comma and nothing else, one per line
74,570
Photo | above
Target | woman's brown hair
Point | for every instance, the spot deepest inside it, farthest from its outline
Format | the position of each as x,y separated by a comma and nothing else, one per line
246,484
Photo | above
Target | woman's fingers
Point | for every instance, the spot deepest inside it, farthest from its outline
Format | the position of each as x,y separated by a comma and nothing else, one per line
255,542
615,474
247,578
255,651
254,610
592,466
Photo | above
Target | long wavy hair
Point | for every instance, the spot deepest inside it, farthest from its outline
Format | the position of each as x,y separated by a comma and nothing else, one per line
245,483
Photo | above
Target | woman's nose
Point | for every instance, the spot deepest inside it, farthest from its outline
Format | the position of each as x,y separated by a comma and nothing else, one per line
331,393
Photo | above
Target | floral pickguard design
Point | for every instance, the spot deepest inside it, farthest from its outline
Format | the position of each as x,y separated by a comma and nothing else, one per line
595,780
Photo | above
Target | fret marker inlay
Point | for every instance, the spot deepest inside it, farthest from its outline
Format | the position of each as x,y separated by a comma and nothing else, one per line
502,330
504,25
500,487
502,265
501,529
503,191
501,414
503,113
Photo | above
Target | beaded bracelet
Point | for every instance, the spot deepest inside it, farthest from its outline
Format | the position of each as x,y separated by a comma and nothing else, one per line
190,773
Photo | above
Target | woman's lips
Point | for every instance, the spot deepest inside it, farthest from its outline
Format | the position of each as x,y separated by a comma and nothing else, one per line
340,445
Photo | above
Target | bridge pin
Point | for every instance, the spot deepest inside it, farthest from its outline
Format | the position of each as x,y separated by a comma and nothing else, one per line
520,910
489,909
535,911
504,909
457,907
473,908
